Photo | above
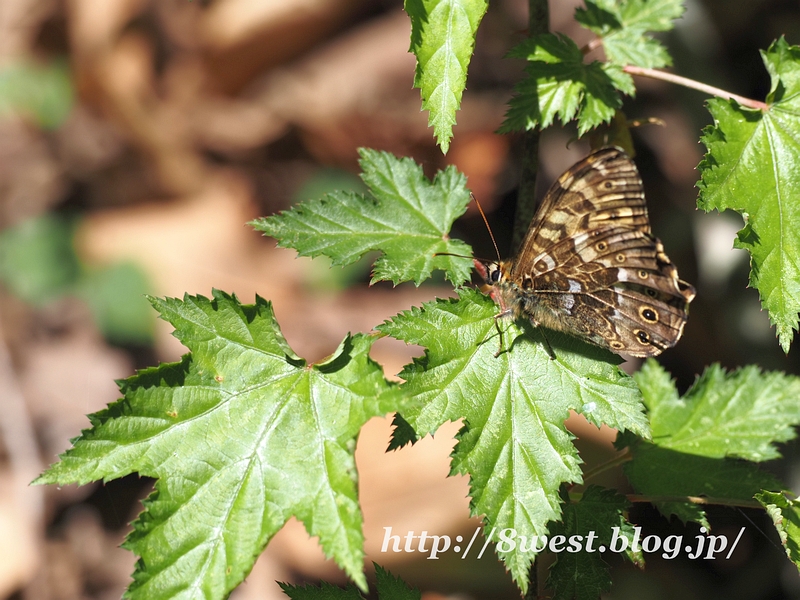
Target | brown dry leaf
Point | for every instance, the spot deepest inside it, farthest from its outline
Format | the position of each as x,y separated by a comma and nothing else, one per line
82,560
185,245
261,583
94,26
19,22
19,533
354,91
127,88
481,156
203,242
116,73
31,180
66,377
408,489
243,38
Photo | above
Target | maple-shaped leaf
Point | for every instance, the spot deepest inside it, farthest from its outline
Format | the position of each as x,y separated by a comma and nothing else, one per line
559,84
592,523
753,167
740,414
514,445
785,516
443,39
405,216
624,26
724,415
241,435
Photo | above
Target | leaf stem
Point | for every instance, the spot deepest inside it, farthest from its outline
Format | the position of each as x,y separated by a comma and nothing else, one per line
695,85
695,500
592,45
609,464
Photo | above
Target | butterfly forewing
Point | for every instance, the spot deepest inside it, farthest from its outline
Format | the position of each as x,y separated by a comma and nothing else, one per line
602,190
589,266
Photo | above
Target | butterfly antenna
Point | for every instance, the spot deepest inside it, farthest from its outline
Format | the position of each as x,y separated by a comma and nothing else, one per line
486,222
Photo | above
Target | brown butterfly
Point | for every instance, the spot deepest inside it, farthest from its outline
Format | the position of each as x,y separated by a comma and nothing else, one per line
590,267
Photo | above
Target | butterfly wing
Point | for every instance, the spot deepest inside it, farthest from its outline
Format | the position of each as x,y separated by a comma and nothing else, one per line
625,296
590,266
602,190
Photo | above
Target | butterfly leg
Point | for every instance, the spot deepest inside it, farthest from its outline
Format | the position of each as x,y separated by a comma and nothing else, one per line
547,345
500,349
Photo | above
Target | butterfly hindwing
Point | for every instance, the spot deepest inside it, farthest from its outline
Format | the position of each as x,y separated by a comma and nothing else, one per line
589,265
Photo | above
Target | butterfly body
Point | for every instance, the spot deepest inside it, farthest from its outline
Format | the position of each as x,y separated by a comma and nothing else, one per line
589,265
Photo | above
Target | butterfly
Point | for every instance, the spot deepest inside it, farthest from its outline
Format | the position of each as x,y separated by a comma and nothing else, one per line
589,266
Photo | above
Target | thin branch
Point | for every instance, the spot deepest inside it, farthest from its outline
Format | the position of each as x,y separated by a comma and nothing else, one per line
695,85
695,500
538,23
701,500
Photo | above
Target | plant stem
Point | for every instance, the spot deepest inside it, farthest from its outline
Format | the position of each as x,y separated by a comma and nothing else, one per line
695,500
538,23
576,497
695,85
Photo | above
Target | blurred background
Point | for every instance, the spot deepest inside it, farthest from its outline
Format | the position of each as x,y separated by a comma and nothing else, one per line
137,138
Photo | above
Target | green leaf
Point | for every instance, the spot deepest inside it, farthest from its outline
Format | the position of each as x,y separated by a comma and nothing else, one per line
405,216
38,260
514,445
241,435
785,515
402,434
325,591
666,475
387,585
116,295
753,167
585,575
41,91
740,414
38,264
623,27
559,84
393,588
443,39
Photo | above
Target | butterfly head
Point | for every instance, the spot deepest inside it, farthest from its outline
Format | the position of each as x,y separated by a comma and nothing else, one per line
495,275
490,271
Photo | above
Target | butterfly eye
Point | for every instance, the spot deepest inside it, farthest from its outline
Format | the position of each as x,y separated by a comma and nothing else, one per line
494,276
